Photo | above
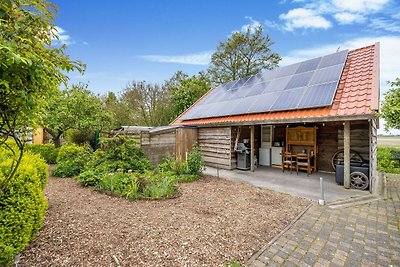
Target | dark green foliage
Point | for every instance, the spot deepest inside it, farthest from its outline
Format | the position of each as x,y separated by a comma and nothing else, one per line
22,204
188,171
243,54
387,161
71,160
121,152
195,163
390,109
80,137
47,151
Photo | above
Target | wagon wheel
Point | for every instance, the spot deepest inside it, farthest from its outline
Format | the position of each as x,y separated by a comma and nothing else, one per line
359,180
338,157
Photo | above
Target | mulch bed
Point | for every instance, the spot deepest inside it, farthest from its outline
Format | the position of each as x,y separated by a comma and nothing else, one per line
212,222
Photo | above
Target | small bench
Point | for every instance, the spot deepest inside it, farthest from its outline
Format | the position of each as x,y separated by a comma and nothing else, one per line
395,156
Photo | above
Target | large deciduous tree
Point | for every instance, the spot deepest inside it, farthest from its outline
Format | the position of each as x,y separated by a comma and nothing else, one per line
74,108
148,103
390,109
31,69
243,54
185,91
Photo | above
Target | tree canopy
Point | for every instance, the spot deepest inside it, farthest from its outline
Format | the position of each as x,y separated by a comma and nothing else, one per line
148,103
390,109
243,54
185,91
74,108
31,69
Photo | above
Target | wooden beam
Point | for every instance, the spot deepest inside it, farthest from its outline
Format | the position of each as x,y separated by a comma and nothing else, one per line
252,148
346,134
375,180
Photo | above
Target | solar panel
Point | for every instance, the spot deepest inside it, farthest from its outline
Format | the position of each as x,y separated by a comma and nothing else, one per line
325,75
299,80
258,88
263,102
287,70
333,59
318,95
308,65
277,84
307,84
288,99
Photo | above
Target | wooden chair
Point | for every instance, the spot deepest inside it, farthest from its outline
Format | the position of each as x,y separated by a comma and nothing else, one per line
288,161
303,162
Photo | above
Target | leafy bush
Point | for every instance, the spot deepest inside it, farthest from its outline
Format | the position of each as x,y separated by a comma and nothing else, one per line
386,161
22,204
160,185
71,160
195,161
80,137
47,151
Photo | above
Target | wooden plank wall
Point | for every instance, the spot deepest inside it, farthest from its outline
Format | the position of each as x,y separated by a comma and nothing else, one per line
159,145
185,139
244,134
215,145
359,138
327,143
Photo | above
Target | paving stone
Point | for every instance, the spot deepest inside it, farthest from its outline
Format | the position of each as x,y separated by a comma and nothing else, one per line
363,235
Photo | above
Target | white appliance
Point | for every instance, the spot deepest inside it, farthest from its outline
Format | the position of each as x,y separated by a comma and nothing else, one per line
264,158
276,155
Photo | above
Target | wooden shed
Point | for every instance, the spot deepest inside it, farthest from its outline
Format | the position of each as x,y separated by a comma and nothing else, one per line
161,142
324,107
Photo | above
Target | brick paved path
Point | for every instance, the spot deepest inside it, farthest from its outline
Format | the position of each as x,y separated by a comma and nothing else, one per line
364,235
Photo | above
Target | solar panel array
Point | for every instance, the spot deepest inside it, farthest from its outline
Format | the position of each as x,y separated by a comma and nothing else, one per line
307,84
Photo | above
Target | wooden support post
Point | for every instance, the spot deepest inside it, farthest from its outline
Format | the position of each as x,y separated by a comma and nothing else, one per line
375,181
252,148
346,134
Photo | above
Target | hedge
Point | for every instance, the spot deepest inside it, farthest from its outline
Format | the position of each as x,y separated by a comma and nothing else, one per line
22,204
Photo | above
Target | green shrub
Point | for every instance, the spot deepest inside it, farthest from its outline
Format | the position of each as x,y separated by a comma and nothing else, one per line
80,137
160,186
47,151
386,162
89,178
22,204
71,160
195,163
173,165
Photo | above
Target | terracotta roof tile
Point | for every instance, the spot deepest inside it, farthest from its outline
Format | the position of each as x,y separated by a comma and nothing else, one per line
357,95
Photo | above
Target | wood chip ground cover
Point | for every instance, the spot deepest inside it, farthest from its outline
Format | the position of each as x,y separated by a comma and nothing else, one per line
212,222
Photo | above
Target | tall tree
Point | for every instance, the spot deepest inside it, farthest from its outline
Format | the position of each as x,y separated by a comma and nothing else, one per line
31,69
118,109
147,102
390,109
242,55
74,108
185,91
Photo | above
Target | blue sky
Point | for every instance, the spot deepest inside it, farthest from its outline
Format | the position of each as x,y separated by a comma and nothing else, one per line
121,41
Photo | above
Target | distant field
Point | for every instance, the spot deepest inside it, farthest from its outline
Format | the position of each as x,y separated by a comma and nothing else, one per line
393,141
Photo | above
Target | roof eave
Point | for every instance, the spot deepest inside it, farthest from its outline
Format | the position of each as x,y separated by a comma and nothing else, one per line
289,120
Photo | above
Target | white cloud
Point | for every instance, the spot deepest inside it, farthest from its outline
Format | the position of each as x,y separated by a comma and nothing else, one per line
360,6
202,58
85,43
304,18
253,25
349,18
62,37
384,24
